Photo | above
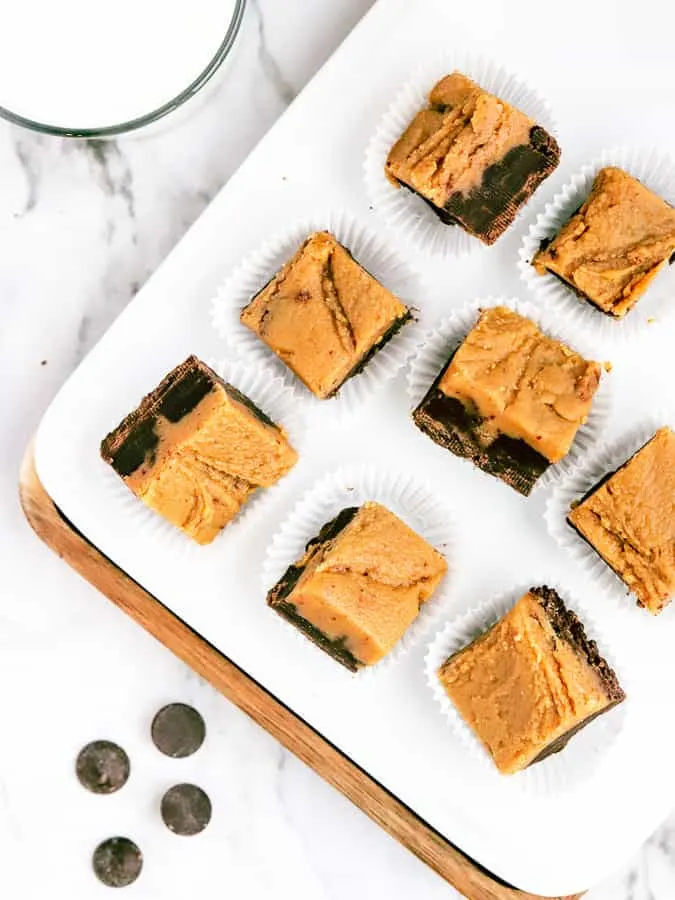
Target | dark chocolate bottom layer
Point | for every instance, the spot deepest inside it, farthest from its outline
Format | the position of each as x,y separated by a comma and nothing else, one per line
277,596
488,210
451,425
135,440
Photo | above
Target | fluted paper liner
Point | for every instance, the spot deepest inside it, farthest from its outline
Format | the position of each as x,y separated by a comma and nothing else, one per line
438,344
410,499
414,221
657,172
371,252
560,771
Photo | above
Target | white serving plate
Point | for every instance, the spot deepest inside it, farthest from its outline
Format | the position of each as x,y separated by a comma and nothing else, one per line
312,159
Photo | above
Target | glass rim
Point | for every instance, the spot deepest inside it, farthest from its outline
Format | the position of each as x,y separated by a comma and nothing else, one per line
148,118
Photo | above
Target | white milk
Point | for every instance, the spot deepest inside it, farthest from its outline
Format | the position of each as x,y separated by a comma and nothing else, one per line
86,64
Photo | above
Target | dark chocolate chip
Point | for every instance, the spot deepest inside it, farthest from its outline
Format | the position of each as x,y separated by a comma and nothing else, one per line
186,809
102,767
117,862
178,730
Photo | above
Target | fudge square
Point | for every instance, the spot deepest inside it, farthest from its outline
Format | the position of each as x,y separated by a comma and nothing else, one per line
629,520
614,246
324,315
475,159
196,449
360,584
510,399
531,682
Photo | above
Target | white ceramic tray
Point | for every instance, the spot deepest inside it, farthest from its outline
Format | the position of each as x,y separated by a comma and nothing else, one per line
311,160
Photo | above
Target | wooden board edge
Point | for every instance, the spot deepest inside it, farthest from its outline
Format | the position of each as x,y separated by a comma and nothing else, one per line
294,733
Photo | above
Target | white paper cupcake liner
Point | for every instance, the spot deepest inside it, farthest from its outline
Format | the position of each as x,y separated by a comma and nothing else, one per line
398,207
571,489
657,172
410,499
434,352
273,397
260,266
577,761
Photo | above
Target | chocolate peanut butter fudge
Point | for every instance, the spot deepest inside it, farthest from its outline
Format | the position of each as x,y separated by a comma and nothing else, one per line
614,246
629,520
475,159
360,584
324,315
531,682
510,399
196,449
102,767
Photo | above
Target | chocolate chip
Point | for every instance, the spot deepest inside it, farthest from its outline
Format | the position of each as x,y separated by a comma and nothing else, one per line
117,862
186,809
102,767
178,730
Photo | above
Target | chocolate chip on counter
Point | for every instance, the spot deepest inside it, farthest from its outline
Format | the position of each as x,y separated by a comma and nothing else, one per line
186,809
117,862
178,730
102,767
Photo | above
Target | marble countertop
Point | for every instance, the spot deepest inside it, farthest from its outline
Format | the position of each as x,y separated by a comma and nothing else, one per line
82,226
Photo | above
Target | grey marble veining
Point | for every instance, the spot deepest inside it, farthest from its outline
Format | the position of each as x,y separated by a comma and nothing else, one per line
111,171
269,65
24,154
82,226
